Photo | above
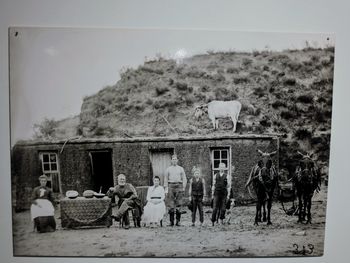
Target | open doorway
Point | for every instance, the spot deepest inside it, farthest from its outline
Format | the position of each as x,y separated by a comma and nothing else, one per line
160,161
101,170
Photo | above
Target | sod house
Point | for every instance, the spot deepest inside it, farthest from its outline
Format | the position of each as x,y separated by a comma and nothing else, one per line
94,163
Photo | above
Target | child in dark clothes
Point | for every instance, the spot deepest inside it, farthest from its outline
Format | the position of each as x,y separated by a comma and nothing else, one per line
197,191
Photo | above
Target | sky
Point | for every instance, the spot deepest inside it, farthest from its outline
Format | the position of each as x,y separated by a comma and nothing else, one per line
52,69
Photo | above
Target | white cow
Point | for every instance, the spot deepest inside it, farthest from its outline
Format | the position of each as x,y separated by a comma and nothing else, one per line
220,109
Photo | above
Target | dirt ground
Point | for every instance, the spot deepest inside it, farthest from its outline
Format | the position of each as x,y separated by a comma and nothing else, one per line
240,238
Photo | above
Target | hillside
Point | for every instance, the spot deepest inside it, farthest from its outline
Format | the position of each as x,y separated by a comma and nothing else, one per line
289,93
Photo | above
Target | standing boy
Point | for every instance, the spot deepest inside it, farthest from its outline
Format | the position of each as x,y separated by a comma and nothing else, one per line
196,192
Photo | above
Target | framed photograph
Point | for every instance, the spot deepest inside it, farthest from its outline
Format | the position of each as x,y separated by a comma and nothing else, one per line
169,143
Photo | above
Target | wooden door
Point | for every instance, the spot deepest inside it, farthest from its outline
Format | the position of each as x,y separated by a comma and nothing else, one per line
160,161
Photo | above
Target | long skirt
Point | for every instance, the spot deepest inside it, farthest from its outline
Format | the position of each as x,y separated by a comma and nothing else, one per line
45,224
43,216
153,213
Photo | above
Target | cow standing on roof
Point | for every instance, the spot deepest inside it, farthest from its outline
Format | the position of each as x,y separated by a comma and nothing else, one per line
220,109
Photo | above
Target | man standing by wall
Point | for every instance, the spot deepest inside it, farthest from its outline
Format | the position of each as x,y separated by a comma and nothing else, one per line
175,184
220,193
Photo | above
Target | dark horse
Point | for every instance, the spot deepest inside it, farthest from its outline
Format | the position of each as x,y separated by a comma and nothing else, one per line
264,178
307,180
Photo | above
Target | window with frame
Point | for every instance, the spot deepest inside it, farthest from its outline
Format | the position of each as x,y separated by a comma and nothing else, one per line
49,167
220,155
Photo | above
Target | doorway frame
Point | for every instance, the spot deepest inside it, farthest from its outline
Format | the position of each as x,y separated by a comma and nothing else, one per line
104,150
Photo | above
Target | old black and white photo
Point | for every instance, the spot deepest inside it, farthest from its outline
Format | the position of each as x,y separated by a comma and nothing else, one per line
169,143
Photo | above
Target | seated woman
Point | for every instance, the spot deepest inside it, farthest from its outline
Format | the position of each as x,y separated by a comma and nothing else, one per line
42,210
154,210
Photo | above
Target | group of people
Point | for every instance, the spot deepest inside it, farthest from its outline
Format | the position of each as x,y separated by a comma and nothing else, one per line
171,193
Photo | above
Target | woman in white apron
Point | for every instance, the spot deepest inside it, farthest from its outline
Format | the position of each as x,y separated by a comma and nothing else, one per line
42,209
154,210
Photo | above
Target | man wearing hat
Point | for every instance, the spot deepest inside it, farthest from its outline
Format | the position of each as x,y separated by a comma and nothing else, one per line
220,193
174,184
42,209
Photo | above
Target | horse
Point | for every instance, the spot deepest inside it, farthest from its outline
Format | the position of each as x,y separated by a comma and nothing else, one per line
264,178
307,181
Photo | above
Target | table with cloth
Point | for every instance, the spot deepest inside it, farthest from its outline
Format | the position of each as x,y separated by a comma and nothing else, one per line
81,211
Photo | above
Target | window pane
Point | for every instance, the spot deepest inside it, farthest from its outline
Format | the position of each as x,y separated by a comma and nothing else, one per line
224,154
53,167
53,158
45,158
216,154
225,162
216,163
46,167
